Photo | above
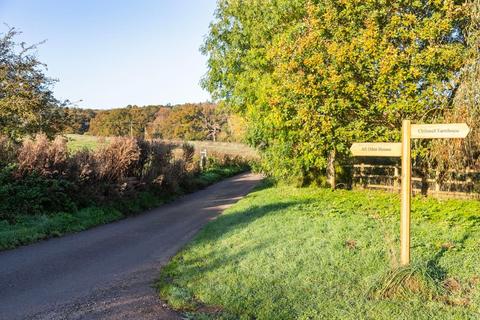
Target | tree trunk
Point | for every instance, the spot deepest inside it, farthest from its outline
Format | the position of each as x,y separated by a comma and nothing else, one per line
331,169
424,181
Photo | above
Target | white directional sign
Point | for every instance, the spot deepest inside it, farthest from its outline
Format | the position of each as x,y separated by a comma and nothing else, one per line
433,131
378,149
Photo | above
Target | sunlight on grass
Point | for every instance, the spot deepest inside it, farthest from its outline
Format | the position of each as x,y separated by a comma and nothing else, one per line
80,141
287,253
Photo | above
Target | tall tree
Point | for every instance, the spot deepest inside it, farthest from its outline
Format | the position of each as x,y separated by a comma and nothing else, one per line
313,76
212,120
78,120
203,121
181,122
27,104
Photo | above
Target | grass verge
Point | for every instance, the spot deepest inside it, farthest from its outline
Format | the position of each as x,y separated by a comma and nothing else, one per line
29,229
289,253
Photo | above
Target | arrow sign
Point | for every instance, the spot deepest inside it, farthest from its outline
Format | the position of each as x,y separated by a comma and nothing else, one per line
378,149
432,131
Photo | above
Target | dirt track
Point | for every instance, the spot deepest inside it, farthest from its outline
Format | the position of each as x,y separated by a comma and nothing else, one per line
107,272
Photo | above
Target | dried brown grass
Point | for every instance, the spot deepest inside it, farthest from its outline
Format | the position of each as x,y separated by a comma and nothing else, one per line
117,160
122,165
46,158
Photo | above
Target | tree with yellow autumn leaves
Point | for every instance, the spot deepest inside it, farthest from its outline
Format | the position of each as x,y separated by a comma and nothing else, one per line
311,77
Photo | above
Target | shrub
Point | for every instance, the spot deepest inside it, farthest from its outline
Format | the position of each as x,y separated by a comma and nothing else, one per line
117,160
39,155
192,164
174,175
188,151
82,167
33,194
216,159
154,159
46,179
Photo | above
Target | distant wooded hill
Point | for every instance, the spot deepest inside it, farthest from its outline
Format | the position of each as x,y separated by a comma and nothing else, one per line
191,121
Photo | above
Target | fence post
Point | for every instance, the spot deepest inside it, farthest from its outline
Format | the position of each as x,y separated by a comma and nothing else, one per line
469,182
354,175
331,175
203,159
396,178
362,174
437,180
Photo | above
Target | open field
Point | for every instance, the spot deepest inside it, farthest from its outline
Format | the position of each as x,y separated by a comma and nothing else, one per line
231,148
289,253
78,141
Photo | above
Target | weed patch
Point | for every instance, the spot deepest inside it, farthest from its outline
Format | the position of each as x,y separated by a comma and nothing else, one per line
404,282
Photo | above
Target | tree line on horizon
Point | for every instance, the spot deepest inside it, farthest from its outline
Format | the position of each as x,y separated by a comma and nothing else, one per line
28,107
189,121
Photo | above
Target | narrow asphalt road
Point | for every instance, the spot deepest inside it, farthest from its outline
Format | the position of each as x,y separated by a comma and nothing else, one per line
107,272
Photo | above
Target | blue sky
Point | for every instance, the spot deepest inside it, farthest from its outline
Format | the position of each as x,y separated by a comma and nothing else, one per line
113,53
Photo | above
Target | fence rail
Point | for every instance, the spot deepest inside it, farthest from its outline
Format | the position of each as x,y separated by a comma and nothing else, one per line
455,184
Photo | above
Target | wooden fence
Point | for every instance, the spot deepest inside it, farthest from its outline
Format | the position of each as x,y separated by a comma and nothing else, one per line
454,184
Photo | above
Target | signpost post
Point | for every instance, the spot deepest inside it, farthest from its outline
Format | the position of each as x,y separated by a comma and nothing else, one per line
403,150
406,194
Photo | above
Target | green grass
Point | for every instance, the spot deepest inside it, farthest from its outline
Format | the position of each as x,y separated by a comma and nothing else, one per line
33,228
289,253
29,229
80,141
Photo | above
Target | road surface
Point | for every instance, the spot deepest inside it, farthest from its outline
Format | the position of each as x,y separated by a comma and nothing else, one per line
107,272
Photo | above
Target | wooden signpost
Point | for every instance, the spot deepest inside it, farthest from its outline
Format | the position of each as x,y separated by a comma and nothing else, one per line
403,150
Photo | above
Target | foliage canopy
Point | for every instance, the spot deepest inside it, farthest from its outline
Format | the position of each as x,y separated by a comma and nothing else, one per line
27,104
310,77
